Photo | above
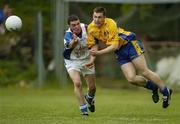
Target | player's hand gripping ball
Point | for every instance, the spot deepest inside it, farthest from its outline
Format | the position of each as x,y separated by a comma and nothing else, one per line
13,23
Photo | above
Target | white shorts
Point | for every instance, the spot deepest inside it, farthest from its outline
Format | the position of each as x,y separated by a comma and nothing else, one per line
79,66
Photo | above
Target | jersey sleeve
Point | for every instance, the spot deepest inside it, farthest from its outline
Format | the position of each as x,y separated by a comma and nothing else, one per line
113,34
67,39
1,17
91,40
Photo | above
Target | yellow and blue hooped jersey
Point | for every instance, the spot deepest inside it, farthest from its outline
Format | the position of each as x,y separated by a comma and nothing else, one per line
126,36
109,33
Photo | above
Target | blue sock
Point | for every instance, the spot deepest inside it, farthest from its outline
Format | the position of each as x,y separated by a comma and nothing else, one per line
83,108
165,91
90,97
151,85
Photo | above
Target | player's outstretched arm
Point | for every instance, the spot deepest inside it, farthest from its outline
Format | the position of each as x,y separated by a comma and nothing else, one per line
108,49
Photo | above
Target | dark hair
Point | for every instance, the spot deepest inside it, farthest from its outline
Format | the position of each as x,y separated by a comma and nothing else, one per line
100,10
4,3
72,18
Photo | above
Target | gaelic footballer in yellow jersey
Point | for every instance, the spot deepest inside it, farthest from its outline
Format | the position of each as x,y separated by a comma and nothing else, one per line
110,34
129,52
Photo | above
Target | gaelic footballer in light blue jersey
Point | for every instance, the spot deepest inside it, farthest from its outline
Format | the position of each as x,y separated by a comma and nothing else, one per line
76,56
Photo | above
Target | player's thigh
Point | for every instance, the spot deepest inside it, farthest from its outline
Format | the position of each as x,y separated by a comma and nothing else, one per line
129,70
140,63
75,75
73,69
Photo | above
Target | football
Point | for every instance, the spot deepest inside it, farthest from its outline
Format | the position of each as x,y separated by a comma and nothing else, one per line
13,23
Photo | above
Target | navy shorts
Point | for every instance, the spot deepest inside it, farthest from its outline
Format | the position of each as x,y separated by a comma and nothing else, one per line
129,51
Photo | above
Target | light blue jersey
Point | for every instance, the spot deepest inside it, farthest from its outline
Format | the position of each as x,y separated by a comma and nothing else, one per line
81,49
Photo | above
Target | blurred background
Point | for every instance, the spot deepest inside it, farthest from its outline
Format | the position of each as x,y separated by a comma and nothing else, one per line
32,57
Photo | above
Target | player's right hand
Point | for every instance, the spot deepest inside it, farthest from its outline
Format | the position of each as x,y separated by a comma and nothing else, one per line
75,38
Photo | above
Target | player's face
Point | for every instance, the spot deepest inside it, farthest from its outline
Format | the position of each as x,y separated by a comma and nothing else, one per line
75,27
98,19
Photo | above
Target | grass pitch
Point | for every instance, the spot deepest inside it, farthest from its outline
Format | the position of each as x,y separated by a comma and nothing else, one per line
49,106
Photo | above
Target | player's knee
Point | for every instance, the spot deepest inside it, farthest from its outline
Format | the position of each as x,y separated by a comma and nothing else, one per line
131,80
77,84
